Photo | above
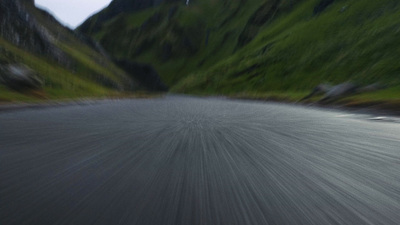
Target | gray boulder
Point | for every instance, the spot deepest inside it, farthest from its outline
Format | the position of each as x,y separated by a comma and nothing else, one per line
340,90
19,77
331,93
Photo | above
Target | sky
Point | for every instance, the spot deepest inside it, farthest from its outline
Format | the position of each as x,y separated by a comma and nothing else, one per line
72,12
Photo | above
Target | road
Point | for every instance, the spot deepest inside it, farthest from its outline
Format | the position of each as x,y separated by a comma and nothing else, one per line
197,161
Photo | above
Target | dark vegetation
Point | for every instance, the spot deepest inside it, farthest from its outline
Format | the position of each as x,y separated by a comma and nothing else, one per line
146,75
322,6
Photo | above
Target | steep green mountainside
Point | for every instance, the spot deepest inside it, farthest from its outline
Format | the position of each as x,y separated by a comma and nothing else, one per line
178,39
69,64
350,41
249,46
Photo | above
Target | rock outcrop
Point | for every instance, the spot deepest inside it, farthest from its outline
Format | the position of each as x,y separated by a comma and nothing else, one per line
19,26
340,90
19,77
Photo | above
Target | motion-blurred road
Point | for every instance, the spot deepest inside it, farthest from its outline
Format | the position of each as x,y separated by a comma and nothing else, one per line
193,161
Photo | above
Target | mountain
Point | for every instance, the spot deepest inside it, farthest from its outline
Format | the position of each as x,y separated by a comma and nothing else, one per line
67,63
175,38
116,7
255,46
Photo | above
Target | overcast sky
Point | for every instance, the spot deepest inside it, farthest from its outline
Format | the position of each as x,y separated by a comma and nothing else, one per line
72,12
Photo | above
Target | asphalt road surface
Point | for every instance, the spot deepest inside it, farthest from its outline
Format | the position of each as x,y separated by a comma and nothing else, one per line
192,161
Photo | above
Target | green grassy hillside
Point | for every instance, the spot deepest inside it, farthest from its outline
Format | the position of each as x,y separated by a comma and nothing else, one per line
257,48
351,40
84,71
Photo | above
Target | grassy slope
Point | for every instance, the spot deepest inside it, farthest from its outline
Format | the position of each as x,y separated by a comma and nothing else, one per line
87,75
295,51
59,82
351,40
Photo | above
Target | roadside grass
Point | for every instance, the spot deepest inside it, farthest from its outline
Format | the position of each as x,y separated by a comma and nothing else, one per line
8,96
59,82
270,96
387,99
390,94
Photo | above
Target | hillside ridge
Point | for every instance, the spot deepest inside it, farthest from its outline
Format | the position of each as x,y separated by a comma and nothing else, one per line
270,46
61,62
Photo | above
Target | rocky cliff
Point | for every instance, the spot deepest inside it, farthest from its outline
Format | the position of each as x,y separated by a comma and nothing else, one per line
20,27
